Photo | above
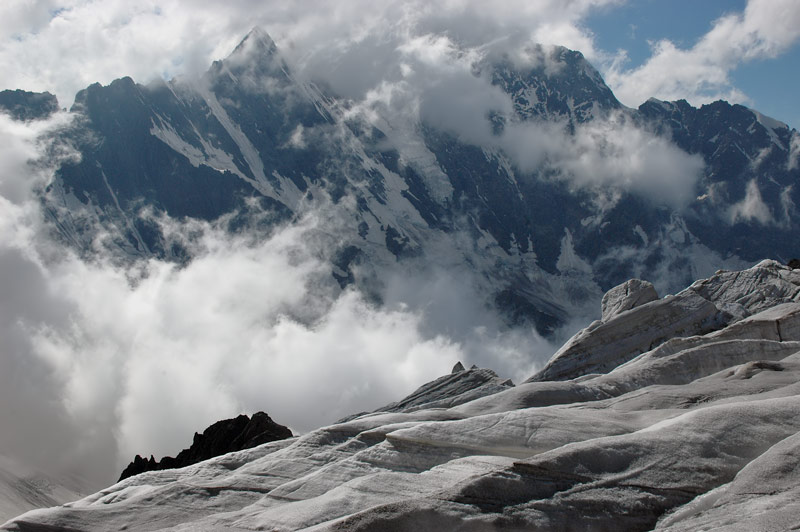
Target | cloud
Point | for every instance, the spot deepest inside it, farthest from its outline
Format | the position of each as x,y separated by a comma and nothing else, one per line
700,74
788,208
793,160
440,85
350,44
752,207
100,361
606,152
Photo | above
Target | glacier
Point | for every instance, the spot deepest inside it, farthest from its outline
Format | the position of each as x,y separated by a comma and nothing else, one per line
673,413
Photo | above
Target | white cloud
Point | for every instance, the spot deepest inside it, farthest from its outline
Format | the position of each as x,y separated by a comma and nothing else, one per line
356,45
607,152
788,208
793,161
123,360
700,74
99,361
130,368
751,207
65,46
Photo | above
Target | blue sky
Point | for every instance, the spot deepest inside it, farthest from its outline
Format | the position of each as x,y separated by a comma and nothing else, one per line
770,84
631,25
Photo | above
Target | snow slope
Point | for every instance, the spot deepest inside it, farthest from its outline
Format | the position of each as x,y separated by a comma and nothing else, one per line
694,428
23,488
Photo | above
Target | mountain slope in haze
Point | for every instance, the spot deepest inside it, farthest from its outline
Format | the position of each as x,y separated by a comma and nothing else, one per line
692,426
565,194
24,488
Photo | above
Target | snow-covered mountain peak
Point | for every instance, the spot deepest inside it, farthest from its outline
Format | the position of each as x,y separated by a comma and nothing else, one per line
565,158
552,82
255,63
256,43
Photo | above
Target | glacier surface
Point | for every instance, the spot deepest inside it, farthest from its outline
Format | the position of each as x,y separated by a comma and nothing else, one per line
670,414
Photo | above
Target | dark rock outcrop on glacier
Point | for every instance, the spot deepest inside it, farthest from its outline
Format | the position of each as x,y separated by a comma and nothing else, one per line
222,437
699,432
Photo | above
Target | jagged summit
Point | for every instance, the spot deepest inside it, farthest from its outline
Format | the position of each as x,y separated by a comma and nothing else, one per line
554,82
257,48
259,39
25,105
544,243
228,435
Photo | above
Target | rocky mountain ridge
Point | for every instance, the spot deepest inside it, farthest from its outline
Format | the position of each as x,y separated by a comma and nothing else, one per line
693,428
541,240
225,436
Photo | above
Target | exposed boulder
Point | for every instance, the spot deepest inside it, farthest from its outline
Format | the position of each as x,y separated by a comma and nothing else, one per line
603,346
705,306
220,438
630,294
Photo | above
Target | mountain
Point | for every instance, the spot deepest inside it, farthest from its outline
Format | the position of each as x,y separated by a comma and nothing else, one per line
24,105
24,488
569,194
670,414
222,437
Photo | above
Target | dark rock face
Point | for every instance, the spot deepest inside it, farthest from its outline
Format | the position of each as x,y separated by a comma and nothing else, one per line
250,133
747,155
24,105
220,438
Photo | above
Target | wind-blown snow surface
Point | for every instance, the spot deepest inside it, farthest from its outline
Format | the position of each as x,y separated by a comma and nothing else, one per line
24,488
693,428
